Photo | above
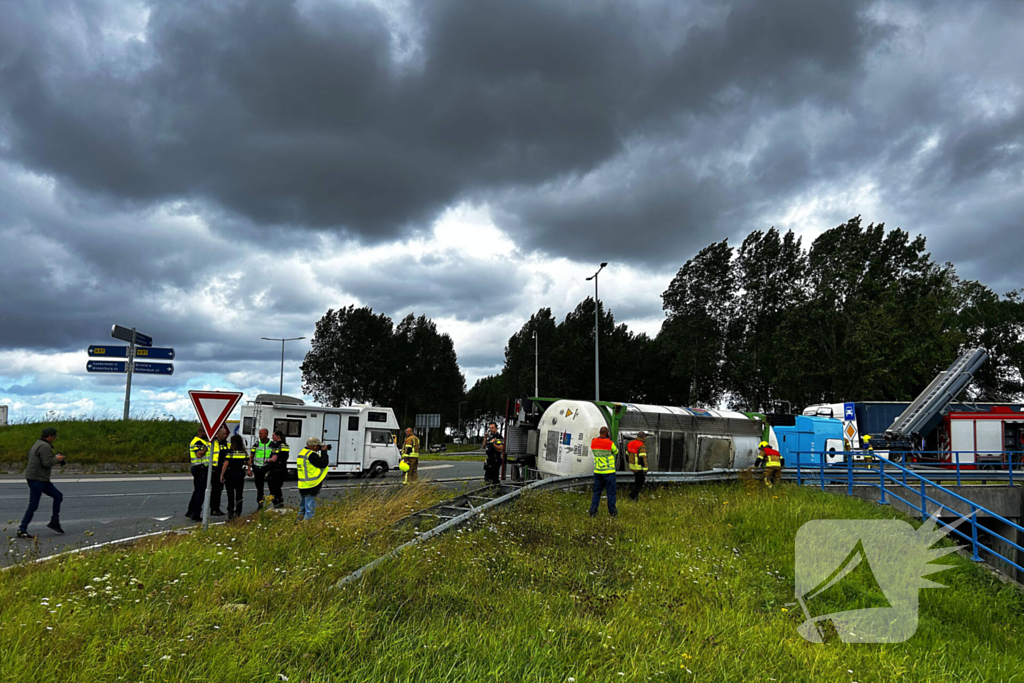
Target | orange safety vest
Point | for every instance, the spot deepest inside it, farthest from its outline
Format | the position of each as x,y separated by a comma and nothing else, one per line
637,451
604,451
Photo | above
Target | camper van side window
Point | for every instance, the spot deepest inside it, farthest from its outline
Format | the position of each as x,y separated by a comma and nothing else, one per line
376,417
379,437
290,428
247,425
353,424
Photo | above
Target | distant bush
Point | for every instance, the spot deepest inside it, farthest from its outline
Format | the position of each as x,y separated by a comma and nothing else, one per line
103,441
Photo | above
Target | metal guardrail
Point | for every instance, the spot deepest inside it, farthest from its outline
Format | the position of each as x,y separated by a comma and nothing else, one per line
892,478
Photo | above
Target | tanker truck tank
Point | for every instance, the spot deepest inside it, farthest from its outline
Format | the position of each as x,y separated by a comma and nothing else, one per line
679,439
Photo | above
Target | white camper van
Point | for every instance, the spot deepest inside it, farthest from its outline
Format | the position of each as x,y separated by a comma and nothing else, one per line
363,439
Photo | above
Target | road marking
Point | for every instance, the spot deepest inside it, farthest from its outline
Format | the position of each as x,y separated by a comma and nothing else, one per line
88,480
435,467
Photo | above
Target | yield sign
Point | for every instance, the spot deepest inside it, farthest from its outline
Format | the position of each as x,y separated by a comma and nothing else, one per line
213,408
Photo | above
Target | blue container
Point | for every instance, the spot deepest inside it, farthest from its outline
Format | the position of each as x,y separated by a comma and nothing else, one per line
807,438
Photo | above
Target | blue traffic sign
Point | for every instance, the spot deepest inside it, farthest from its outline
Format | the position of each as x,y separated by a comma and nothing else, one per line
108,351
107,366
154,368
143,339
155,353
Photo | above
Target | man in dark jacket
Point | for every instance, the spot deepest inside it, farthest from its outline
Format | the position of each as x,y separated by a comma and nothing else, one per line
41,460
493,448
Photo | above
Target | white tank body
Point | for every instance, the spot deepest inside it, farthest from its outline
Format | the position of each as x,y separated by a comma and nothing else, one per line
679,439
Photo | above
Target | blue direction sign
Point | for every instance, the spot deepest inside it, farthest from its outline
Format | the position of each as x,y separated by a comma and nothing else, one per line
107,366
143,339
153,368
108,351
155,353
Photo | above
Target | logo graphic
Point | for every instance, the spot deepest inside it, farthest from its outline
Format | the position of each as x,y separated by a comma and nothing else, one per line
876,565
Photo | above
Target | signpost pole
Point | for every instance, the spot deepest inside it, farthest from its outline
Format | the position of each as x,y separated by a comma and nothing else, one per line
209,480
128,385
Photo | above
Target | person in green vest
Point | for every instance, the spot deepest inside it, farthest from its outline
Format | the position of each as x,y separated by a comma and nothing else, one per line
604,451
259,462
311,465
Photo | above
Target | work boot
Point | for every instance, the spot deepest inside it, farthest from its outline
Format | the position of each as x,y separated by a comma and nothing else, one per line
25,534
217,513
55,526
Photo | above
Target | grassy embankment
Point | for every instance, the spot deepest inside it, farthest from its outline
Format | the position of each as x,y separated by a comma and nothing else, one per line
90,442
690,584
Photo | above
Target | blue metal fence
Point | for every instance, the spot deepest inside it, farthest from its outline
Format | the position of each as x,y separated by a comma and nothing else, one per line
915,483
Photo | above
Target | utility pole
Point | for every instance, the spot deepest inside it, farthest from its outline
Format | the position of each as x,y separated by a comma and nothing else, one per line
597,307
536,356
281,389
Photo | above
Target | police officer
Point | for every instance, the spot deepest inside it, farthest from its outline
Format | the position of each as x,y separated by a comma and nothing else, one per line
277,467
493,447
411,455
311,464
259,463
604,451
636,454
233,473
217,486
199,455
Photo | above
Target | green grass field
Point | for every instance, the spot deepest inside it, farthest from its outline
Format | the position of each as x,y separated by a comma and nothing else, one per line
689,584
89,442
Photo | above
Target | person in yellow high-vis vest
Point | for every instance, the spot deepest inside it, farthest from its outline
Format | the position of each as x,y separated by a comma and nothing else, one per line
604,451
636,454
311,465
411,455
772,460
201,454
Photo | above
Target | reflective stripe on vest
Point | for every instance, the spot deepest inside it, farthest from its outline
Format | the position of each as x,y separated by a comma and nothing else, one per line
637,450
411,448
261,453
194,449
309,474
773,457
232,454
604,452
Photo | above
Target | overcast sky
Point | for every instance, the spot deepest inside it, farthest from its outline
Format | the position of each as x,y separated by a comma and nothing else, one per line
212,172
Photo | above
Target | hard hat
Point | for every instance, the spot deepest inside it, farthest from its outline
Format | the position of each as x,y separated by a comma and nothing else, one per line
763,444
404,466
867,438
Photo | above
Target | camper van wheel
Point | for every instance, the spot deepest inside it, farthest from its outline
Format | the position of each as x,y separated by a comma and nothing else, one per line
378,469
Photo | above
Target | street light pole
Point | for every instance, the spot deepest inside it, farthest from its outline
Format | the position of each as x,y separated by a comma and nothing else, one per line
536,352
597,364
281,388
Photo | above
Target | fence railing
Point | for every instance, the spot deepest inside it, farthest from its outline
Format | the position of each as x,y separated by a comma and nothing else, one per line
896,480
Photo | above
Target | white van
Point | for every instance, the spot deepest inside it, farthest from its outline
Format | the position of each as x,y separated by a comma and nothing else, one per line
363,439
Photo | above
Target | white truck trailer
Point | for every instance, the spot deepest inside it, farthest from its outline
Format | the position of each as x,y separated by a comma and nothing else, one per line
363,439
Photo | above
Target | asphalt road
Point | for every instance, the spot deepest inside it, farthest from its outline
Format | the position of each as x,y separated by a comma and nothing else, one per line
97,509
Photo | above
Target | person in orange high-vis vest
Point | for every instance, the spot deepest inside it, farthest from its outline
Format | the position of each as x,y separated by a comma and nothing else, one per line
636,454
604,451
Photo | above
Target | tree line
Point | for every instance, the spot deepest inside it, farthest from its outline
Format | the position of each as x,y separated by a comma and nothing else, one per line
861,314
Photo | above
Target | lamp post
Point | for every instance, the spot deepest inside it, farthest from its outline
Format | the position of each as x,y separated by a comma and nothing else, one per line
597,364
281,389
536,356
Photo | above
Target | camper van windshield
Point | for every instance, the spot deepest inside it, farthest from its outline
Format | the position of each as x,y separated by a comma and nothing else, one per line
376,417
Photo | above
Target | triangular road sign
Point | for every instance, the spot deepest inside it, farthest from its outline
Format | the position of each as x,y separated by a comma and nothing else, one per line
213,408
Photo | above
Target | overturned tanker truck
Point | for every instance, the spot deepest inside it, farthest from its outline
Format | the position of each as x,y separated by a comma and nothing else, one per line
552,436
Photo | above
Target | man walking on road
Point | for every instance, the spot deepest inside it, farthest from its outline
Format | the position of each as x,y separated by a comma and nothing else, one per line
493,447
41,460
604,451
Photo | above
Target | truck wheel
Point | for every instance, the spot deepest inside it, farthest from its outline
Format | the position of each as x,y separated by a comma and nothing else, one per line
378,469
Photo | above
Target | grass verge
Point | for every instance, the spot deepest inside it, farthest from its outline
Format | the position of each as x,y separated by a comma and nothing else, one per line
689,584
90,442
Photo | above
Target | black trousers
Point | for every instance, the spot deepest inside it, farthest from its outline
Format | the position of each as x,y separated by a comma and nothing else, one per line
234,482
639,477
492,468
275,479
259,476
216,489
195,504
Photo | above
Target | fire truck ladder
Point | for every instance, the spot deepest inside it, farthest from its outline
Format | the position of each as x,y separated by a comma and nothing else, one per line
936,396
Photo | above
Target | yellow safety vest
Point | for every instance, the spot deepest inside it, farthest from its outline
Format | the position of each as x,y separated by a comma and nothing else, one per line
309,474
203,459
261,453
604,451
637,455
412,442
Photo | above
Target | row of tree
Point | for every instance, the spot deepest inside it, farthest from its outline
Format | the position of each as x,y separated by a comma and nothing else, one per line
358,356
862,314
